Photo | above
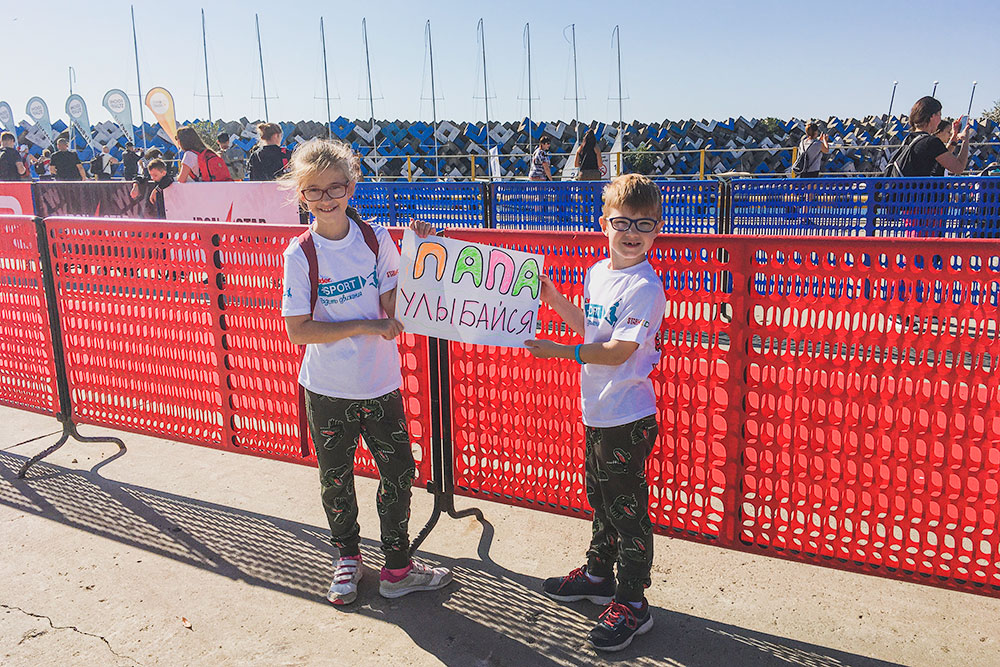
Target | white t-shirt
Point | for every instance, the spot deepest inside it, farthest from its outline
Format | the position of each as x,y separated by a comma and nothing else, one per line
191,160
350,283
626,305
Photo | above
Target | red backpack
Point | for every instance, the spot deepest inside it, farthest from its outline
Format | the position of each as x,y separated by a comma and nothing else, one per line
212,167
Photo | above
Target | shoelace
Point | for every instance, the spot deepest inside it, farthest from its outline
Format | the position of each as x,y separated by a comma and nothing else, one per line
616,613
575,575
345,570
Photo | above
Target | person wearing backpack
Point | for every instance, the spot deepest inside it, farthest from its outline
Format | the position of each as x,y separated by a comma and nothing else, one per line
923,150
200,163
269,160
812,147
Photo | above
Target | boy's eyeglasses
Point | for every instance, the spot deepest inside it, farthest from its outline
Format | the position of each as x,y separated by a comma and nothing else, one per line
335,191
623,224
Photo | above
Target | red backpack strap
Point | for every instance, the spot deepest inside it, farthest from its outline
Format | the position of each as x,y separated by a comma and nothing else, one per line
309,250
366,230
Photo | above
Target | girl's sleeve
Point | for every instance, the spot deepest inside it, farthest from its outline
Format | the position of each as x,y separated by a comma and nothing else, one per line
295,287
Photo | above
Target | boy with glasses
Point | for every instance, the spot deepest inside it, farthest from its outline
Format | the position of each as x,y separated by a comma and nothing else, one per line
624,305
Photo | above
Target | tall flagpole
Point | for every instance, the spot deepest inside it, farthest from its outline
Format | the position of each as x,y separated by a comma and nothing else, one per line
968,114
260,54
204,47
430,48
371,96
138,82
527,37
486,98
72,75
326,80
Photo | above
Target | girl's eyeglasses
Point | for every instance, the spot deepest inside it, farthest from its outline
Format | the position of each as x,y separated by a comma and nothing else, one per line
335,191
623,224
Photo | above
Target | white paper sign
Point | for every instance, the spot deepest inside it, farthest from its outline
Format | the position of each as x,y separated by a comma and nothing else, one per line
262,203
468,292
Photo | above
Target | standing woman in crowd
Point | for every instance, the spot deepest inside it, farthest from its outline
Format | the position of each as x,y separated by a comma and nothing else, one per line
269,159
947,133
588,159
189,142
813,146
923,150
541,164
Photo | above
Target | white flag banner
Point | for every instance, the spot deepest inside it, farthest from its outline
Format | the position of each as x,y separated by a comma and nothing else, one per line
495,162
616,157
468,292
262,203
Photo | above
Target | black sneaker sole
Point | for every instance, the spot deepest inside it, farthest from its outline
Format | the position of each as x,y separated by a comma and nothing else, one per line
641,630
596,599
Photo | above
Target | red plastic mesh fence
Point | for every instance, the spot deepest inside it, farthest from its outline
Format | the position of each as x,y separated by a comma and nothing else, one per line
27,368
830,401
175,329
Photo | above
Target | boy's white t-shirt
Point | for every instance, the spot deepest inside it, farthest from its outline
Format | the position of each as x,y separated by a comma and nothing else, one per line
626,305
350,284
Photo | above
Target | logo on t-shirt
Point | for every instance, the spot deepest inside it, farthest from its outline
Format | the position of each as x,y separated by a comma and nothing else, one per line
612,317
636,322
594,313
341,291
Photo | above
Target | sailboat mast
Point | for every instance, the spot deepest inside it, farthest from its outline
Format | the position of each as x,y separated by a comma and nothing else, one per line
486,96
621,120
326,79
527,35
371,95
204,48
430,49
138,82
260,55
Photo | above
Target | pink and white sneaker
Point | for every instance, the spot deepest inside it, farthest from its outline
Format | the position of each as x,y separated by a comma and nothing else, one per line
418,577
344,588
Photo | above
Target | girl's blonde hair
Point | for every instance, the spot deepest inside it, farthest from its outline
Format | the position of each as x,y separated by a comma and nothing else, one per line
316,155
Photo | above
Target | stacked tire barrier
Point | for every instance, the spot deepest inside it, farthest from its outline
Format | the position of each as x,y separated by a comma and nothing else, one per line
827,400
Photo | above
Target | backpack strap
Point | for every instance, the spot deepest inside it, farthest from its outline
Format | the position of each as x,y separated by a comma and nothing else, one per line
309,250
366,230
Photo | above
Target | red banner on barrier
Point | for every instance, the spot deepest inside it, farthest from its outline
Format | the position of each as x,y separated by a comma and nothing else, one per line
27,366
15,199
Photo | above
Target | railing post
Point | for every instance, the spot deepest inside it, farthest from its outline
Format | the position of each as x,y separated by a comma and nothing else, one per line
473,158
795,156
409,169
701,169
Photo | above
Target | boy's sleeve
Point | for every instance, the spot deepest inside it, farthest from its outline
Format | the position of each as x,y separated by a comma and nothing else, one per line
388,261
295,297
640,314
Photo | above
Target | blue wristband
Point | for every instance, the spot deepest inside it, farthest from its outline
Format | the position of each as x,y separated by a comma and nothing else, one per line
576,354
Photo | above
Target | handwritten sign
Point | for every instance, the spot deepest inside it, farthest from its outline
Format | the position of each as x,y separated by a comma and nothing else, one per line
468,292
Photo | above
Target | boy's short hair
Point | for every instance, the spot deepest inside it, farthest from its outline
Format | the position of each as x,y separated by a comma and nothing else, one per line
8,136
545,139
223,137
157,164
634,192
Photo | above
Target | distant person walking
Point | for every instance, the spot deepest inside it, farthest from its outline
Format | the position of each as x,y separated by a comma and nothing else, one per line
11,165
541,163
65,164
813,146
269,159
234,157
922,150
105,164
588,159
130,162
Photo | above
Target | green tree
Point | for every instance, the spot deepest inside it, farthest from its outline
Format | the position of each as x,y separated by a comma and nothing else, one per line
208,131
994,113
773,126
641,160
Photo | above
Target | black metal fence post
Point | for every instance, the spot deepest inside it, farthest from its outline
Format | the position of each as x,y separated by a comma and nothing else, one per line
65,412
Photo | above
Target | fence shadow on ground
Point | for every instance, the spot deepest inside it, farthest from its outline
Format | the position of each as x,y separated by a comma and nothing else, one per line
490,610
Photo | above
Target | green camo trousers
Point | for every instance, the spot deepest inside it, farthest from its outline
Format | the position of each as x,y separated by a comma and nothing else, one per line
335,424
617,491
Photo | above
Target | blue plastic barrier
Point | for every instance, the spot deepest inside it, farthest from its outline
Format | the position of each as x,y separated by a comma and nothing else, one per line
689,207
442,204
961,207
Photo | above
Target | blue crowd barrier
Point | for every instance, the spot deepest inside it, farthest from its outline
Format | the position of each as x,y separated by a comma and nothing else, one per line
442,204
959,207
689,207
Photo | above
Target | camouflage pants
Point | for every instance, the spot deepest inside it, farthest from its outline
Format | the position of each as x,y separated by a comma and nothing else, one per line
617,491
335,424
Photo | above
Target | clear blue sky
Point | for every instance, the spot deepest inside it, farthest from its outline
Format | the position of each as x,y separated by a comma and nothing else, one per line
709,59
